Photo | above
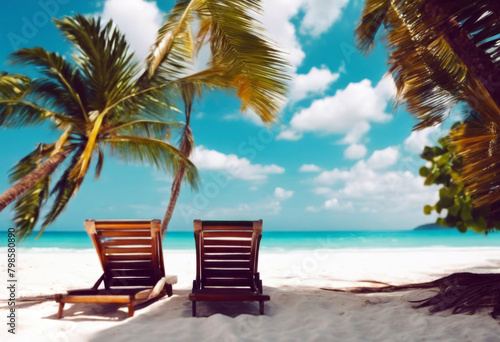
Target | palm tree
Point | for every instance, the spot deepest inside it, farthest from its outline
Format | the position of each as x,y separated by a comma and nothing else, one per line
95,104
242,58
445,52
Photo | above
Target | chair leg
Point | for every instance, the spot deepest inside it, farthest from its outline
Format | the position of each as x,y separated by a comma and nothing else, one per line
261,307
193,307
168,287
60,311
131,309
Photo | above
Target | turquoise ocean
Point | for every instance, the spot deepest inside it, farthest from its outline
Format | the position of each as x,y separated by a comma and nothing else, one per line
285,241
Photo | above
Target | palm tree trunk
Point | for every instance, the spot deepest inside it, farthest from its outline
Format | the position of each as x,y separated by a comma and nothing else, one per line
186,147
174,194
27,182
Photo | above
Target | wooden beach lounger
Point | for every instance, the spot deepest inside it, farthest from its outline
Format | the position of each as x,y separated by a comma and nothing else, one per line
226,262
131,257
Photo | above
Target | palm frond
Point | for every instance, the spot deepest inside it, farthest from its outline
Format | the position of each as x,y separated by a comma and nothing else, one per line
65,189
374,14
238,42
173,49
84,159
100,163
103,57
57,68
30,162
27,207
442,53
19,113
13,86
154,152
145,128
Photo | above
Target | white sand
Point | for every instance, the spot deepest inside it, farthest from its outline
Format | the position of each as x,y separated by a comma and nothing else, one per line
298,311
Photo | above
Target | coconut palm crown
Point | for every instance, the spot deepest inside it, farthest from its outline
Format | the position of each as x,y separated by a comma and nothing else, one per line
97,106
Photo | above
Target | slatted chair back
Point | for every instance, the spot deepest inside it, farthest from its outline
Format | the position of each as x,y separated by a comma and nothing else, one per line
130,252
227,253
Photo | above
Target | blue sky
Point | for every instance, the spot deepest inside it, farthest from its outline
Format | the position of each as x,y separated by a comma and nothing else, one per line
339,158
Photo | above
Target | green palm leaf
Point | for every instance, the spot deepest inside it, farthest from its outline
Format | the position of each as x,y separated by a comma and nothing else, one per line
103,58
238,42
145,128
443,53
64,190
57,68
173,49
153,152
27,207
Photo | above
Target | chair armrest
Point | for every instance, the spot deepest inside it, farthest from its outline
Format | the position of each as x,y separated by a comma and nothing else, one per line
151,293
196,285
98,282
87,290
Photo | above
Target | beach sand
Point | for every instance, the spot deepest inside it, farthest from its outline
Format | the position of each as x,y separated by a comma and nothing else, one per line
298,311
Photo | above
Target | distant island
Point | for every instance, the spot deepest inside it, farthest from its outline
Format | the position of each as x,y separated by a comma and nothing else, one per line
431,226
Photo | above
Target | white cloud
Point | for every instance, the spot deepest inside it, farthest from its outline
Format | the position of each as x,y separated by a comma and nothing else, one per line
269,206
282,194
289,134
253,188
245,211
382,159
335,204
139,20
350,111
419,139
367,188
309,168
355,151
321,14
236,167
316,81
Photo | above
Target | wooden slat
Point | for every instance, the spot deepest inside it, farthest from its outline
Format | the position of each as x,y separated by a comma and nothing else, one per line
208,250
236,234
124,225
117,250
124,299
125,233
227,264
131,273
132,282
233,257
130,265
127,242
220,242
237,228
210,273
226,282
227,223
129,257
